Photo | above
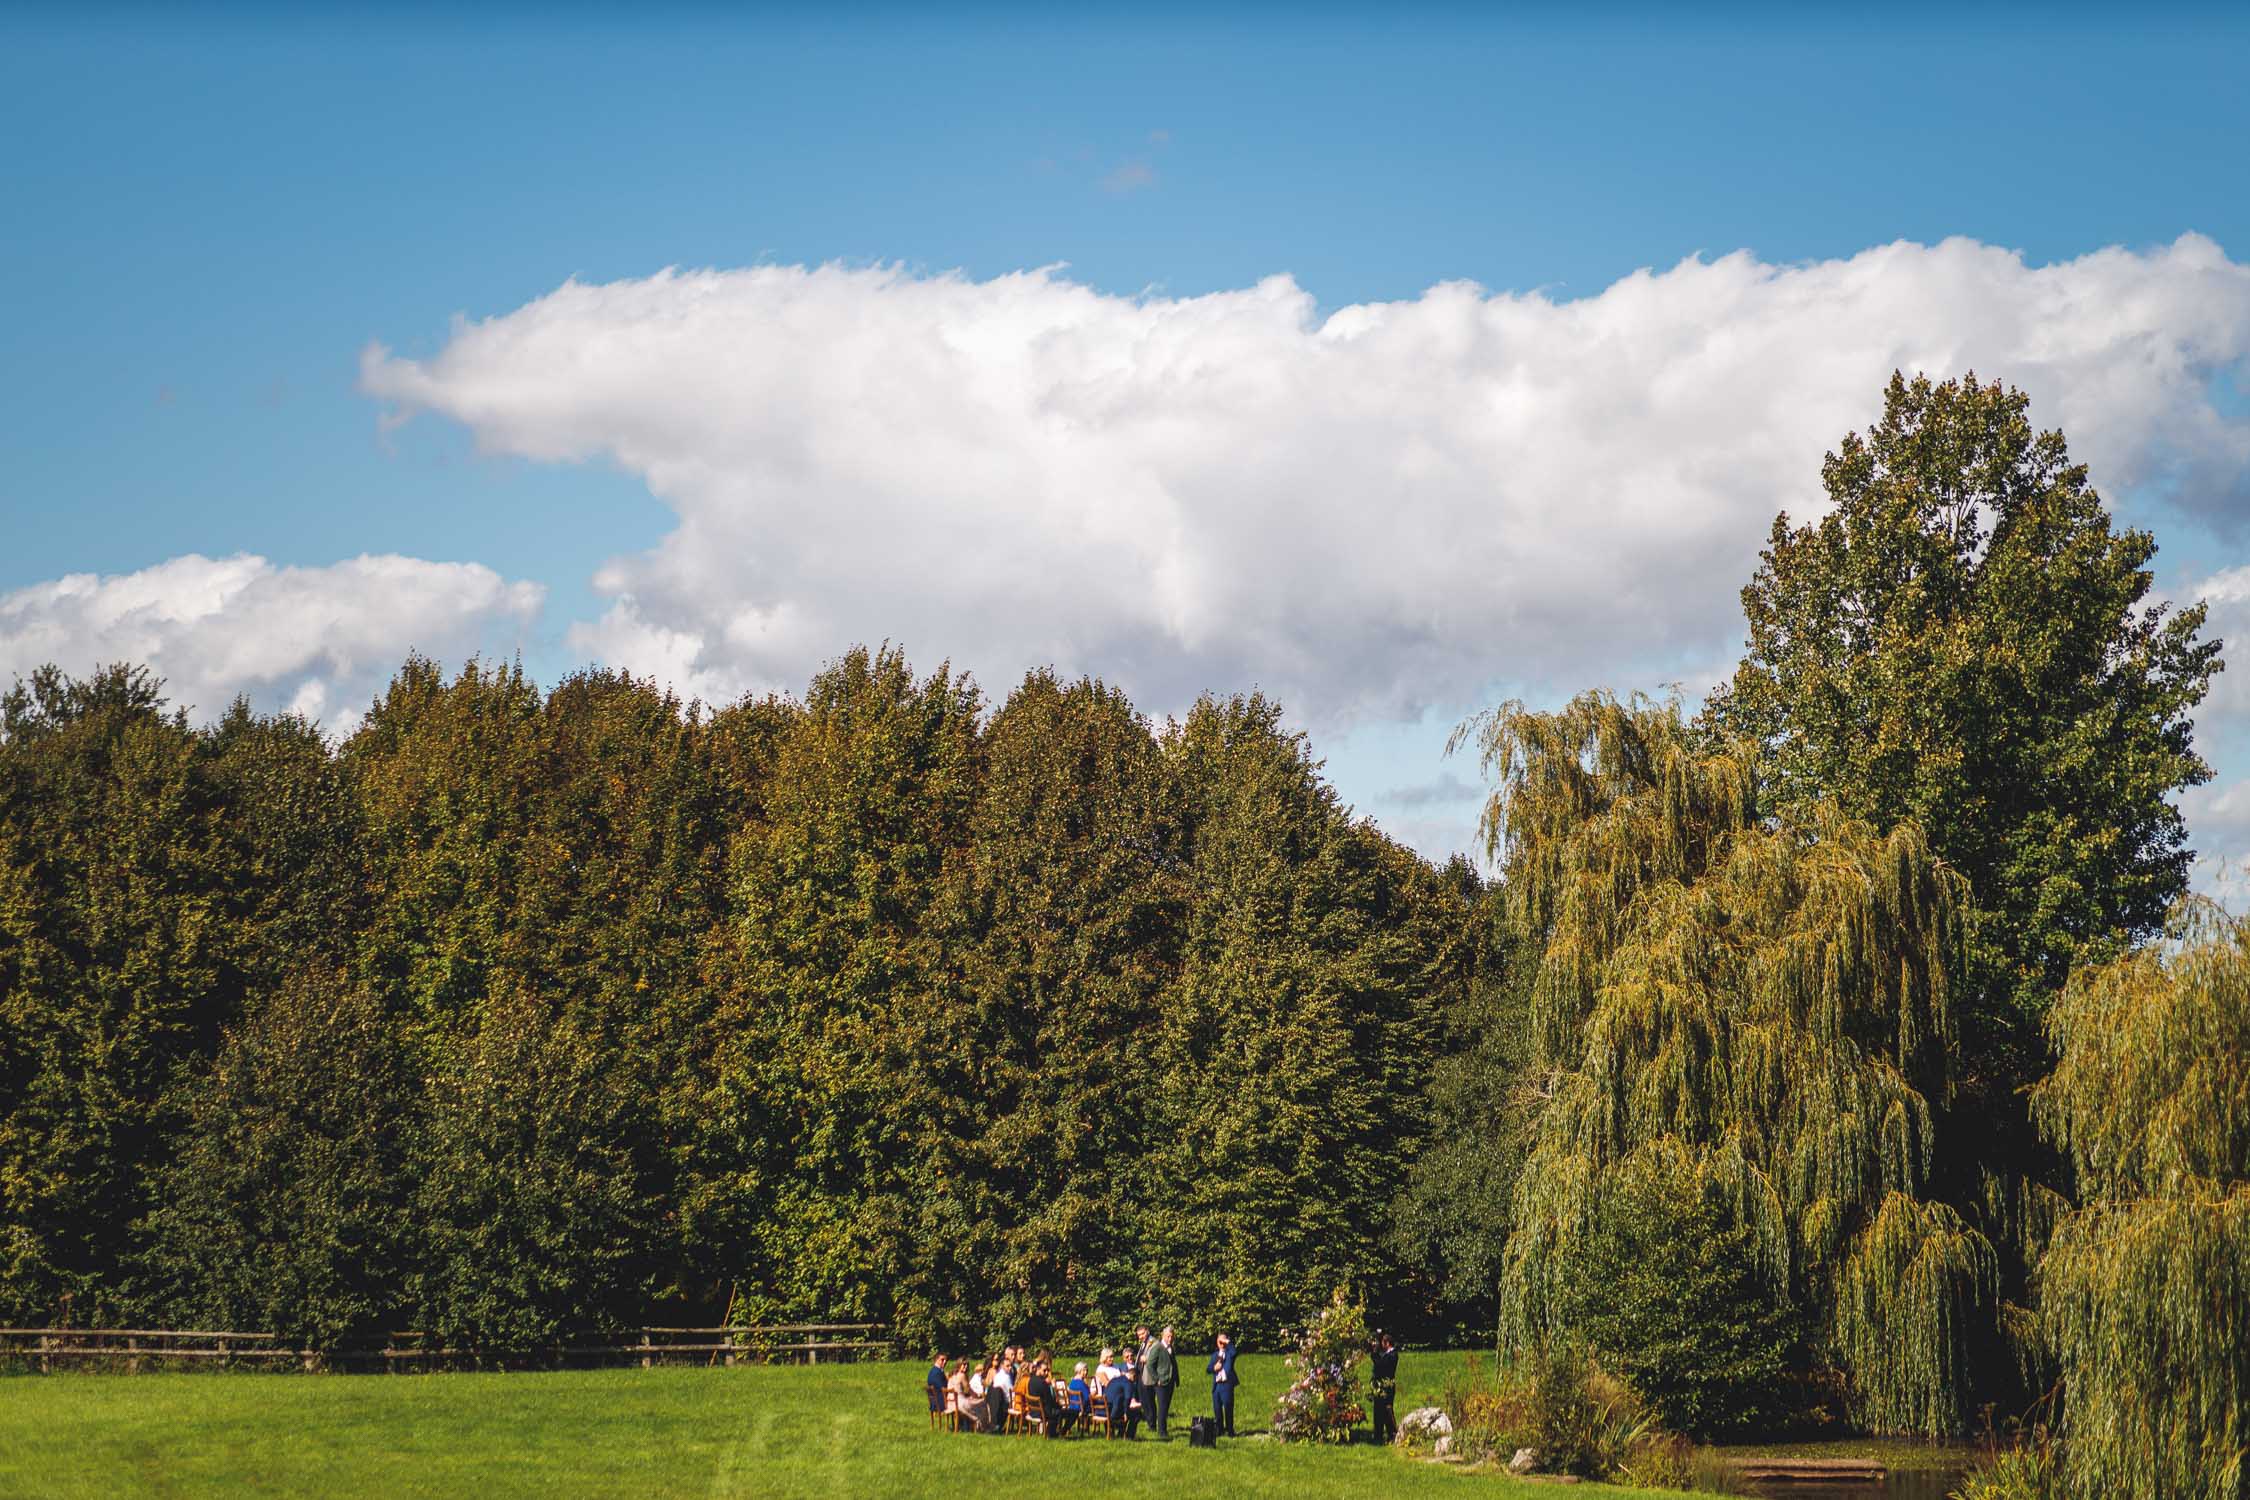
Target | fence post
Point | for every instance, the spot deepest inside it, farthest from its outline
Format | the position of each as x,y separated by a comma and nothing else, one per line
132,1356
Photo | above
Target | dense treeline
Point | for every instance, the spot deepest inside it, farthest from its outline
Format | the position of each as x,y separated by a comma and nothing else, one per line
517,1012
1815,1057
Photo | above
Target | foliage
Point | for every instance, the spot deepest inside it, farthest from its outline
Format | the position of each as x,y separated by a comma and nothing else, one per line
1491,1410
1669,1292
1322,1403
1773,1006
152,878
1668,1462
531,1211
1452,1221
1566,1418
2030,1470
867,1006
1964,640
285,1207
2145,1290
1288,1067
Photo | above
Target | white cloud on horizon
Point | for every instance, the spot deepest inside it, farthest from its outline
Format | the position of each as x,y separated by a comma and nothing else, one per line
1369,513
1376,514
320,641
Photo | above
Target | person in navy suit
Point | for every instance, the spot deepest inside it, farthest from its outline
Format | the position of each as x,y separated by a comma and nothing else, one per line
1222,1387
1119,1398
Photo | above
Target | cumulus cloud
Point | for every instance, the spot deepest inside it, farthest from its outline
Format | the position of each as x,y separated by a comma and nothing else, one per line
320,641
1392,506
2218,814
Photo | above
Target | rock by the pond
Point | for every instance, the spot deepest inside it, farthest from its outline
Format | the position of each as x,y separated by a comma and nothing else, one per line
1524,1462
1425,1422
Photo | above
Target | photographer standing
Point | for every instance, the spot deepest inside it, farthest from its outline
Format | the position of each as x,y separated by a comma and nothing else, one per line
1222,1387
1385,1371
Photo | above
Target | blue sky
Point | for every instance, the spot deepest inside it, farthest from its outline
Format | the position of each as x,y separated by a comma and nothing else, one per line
211,214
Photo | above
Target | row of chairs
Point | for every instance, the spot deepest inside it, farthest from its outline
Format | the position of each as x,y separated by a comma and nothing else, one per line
1026,1413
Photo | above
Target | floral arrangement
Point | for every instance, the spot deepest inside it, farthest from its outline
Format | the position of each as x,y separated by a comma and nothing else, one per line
1322,1404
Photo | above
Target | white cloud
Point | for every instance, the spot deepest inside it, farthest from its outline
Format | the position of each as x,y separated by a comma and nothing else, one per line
1390,507
321,641
2219,814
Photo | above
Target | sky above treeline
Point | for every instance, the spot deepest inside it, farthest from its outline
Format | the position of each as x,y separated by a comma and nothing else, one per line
1395,366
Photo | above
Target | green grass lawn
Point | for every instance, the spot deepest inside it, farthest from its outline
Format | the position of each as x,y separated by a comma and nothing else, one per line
772,1432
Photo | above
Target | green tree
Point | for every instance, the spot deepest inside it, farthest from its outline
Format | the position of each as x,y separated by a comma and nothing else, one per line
1452,1220
532,1214
1284,1085
836,956
1964,640
151,879
2145,1290
1776,1005
1669,1290
451,779
1064,920
284,1205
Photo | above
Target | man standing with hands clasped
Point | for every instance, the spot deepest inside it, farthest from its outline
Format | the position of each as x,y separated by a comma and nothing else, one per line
1164,1374
1222,1387
1143,1361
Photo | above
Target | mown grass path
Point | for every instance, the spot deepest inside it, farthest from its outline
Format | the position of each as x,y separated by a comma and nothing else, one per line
775,1433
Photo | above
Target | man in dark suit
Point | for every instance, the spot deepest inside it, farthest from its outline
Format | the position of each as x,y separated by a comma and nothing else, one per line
1119,1397
1385,1370
935,1380
1164,1373
1222,1386
1144,1373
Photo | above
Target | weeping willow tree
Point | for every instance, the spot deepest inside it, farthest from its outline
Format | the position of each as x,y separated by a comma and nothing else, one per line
1767,1012
2145,1290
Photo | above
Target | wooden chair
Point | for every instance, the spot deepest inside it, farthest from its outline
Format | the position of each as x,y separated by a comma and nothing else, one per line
1034,1415
1016,1400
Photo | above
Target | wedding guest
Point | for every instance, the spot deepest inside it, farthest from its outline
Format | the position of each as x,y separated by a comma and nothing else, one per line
1117,1394
1222,1386
1003,1393
978,1408
935,1380
1144,1372
1077,1397
1039,1386
957,1389
1164,1379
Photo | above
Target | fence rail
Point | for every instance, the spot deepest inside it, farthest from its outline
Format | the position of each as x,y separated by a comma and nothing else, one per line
135,1349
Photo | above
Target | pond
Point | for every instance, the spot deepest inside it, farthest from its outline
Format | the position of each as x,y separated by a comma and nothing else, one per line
1913,1471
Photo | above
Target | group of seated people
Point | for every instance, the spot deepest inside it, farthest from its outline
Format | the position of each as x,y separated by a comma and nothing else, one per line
1118,1396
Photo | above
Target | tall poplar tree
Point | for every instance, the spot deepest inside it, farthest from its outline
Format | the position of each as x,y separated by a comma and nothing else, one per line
1966,640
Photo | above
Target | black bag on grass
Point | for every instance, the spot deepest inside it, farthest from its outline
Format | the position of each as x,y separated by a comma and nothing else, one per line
1203,1432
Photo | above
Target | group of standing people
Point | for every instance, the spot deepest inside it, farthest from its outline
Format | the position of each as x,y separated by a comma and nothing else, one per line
1131,1393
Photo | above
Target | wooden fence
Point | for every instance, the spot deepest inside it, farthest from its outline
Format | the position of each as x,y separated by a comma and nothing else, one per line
132,1350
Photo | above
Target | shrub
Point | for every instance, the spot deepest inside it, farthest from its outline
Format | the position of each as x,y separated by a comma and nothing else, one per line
1670,1294
1322,1404
2032,1470
1491,1411
1563,1412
